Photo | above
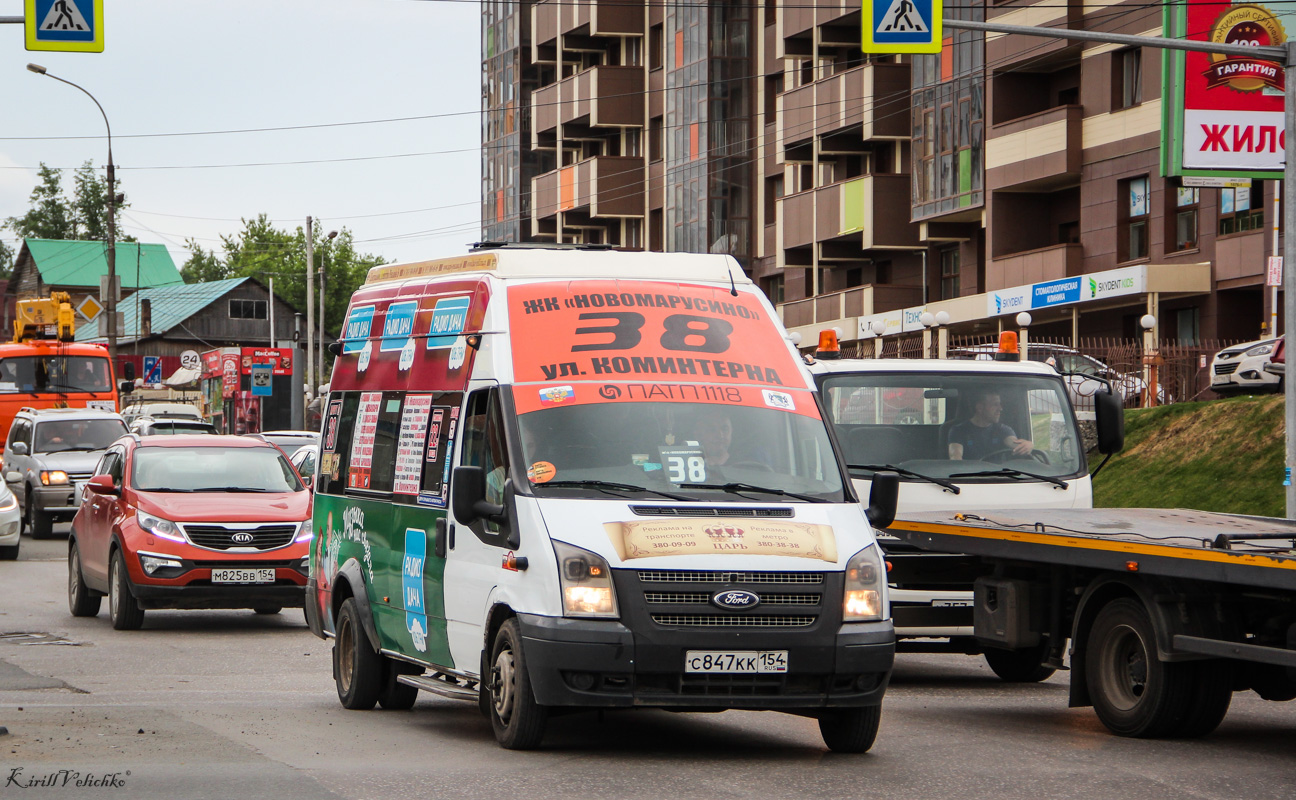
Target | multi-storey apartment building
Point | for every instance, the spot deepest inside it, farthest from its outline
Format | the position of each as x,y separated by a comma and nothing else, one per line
1006,173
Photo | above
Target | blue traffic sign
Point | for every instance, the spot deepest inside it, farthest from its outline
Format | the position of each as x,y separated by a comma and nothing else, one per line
902,26
262,380
64,25
152,369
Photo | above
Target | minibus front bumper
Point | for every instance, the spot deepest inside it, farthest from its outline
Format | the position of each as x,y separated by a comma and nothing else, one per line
587,662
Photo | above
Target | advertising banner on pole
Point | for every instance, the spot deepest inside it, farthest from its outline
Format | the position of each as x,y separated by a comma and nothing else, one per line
1223,115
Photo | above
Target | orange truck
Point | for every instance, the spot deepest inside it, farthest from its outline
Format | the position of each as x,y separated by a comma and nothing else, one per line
43,368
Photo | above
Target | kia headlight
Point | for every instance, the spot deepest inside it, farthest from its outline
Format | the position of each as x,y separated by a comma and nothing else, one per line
586,583
159,527
1262,350
865,579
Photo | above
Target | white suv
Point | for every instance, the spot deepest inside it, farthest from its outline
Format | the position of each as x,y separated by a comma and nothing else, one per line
1242,368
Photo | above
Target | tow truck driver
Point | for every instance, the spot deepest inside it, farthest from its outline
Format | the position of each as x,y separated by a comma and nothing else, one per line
983,434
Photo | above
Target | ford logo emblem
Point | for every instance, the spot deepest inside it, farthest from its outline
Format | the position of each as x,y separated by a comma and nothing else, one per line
241,538
735,598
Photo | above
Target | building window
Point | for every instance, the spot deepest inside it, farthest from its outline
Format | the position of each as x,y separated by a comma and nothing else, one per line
633,51
655,139
656,47
633,238
1188,325
630,142
1132,243
1184,217
1236,214
949,278
773,191
774,289
248,309
1127,78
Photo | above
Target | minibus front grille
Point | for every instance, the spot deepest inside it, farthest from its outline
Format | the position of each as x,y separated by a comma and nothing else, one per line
710,511
704,598
732,621
722,577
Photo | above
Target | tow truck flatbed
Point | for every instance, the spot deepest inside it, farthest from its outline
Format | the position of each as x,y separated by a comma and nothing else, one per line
1179,543
1167,611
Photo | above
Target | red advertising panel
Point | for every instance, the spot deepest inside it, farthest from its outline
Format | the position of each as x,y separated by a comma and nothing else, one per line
608,341
1232,106
229,374
280,358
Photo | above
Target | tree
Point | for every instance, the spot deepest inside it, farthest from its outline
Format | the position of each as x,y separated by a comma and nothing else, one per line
263,251
6,258
55,216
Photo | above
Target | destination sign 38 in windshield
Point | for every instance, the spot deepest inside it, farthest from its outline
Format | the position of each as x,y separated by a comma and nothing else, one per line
639,330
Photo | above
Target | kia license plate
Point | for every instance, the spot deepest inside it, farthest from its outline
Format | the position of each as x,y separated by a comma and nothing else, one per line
737,662
239,575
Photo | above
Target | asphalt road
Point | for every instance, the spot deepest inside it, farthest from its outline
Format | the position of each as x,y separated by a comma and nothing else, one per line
229,704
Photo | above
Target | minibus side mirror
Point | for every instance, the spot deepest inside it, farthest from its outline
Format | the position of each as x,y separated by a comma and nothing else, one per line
883,498
19,448
468,497
1109,413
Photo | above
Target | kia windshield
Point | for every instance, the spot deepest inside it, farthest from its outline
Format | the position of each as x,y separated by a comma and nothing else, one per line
212,469
991,427
680,450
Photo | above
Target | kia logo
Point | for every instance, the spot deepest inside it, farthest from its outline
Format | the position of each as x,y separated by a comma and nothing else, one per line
241,538
735,598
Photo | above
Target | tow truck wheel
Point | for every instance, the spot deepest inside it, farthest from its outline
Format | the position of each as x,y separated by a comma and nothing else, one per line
850,730
1135,694
517,719
1019,666
356,667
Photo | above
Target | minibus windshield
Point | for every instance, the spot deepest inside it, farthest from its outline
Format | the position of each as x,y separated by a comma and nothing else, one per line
962,427
681,450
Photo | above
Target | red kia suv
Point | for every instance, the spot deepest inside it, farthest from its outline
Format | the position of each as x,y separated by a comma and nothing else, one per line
189,521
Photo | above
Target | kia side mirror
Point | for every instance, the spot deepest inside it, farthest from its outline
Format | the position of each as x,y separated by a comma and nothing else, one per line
102,484
883,499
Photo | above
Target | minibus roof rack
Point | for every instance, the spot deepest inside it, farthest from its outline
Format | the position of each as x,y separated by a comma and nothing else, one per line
537,246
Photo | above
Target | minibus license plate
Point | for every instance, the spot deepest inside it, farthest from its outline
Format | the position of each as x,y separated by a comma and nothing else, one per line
231,575
736,661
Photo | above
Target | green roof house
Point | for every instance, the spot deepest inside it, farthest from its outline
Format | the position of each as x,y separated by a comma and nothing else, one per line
47,265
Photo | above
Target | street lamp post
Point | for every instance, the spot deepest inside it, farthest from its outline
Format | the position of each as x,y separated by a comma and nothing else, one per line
323,263
110,301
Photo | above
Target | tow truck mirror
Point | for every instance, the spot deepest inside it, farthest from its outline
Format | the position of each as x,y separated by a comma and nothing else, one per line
1109,413
468,497
883,498
126,387
128,371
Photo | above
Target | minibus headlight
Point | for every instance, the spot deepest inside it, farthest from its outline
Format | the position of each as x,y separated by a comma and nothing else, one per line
865,578
586,583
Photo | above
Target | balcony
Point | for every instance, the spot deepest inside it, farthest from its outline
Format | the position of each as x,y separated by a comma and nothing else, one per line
1038,152
874,96
873,211
1034,266
861,301
595,18
599,96
603,186
1004,50
799,19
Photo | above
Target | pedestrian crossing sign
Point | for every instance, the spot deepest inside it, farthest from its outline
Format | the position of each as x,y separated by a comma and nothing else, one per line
75,26
902,26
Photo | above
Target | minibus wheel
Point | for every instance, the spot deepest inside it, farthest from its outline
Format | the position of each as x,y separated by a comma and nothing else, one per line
850,730
517,719
357,667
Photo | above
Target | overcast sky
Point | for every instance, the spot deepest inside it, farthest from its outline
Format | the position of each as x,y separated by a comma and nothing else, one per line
174,66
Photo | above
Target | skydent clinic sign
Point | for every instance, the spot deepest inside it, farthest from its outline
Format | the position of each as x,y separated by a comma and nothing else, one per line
1067,291
1223,115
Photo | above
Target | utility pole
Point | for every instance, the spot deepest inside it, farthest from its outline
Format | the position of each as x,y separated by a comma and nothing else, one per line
1284,54
310,308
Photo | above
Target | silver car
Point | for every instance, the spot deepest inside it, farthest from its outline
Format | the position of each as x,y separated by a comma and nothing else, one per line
49,455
